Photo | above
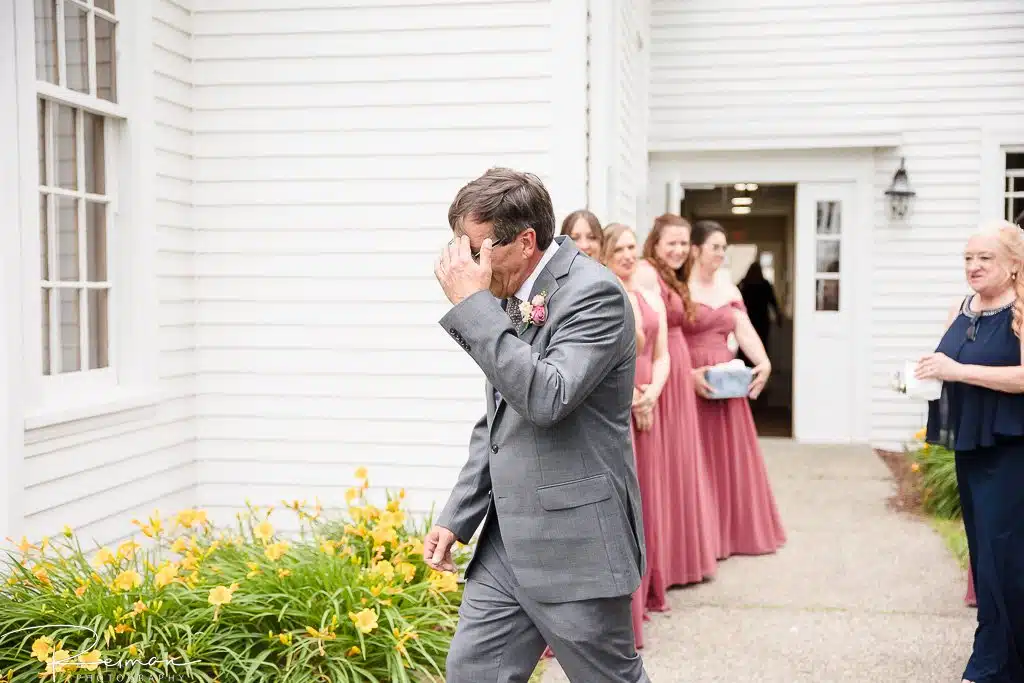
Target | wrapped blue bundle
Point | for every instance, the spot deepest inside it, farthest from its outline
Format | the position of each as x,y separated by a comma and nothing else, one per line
729,380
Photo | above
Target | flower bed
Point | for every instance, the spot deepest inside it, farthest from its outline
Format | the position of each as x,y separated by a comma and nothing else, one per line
344,600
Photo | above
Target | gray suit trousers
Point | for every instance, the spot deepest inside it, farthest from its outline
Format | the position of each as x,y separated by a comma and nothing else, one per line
502,632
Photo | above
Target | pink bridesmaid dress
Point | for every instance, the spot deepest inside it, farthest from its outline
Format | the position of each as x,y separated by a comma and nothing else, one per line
649,450
687,524
748,517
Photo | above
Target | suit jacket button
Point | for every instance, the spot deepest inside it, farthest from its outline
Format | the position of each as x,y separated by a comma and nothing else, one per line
494,448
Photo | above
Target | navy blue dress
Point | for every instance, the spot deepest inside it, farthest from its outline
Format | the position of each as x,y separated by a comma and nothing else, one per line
985,428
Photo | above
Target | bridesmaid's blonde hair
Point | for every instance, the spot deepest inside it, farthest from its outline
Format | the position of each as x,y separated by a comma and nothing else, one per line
612,233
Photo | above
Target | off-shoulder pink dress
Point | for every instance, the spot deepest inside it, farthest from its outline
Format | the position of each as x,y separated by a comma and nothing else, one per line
649,448
687,525
749,522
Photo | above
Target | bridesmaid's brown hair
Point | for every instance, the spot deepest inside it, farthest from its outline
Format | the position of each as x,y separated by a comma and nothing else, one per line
675,279
592,222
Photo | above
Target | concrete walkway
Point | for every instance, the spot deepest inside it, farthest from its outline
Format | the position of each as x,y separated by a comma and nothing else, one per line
859,594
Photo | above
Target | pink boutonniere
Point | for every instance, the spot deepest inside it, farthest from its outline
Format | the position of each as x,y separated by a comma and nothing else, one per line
534,311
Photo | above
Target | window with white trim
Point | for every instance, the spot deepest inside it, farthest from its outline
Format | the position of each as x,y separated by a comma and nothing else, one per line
77,113
1013,190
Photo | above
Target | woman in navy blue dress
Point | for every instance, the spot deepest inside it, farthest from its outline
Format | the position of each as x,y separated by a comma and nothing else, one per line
980,415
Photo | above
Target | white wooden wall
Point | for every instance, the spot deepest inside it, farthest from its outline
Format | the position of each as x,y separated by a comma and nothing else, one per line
328,142
943,76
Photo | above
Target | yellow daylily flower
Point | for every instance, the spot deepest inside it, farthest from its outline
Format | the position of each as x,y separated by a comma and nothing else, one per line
222,595
180,545
353,651
42,647
127,580
103,556
282,573
365,620
276,551
127,549
384,569
165,575
90,661
351,495
60,662
361,473
407,571
80,591
68,533
444,582
139,607
264,531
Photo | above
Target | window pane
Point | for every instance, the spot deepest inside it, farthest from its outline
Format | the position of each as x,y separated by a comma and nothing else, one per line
1014,160
1017,210
76,47
1016,184
67,238
46,331
99,344
44,243
95,176
106,61
828,256
829,218
827,295
96,241
69,315
46,40
42,140
67,148
106,4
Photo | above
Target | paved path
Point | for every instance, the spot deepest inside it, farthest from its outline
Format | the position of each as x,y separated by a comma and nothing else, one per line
859,594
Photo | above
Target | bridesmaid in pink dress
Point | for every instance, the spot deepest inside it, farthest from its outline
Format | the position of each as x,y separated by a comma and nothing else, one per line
652,370
687,524
749,520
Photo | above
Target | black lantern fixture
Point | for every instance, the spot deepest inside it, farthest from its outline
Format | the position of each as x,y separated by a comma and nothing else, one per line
899,193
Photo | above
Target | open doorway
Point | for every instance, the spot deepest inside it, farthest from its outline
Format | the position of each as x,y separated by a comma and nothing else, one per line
759,222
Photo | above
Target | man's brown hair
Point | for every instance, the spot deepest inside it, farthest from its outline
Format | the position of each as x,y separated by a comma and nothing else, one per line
510,200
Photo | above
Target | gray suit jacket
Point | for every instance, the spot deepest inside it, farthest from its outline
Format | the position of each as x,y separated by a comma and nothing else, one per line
552,462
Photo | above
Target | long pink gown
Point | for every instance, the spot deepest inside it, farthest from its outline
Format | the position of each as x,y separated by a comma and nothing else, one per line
749,522
688,524
649,449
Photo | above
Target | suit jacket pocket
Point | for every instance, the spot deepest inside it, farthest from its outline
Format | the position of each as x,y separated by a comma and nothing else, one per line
575,493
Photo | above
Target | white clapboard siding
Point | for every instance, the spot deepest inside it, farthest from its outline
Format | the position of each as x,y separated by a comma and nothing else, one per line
329,140
733,75
99,473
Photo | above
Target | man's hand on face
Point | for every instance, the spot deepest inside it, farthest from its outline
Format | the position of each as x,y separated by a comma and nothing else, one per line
460,276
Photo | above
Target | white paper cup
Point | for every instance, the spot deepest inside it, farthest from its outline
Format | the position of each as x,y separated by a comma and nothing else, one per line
920,389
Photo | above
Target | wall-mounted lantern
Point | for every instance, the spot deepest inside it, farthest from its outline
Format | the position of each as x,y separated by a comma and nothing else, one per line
899,193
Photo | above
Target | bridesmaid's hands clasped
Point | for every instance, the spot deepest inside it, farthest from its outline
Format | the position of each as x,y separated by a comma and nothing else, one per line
761,373
700,382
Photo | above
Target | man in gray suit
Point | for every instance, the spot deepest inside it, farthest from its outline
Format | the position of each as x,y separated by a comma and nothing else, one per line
551,464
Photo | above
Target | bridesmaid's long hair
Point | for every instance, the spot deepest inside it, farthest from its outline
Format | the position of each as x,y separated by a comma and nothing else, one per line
700,233
675,279
610,239
592,222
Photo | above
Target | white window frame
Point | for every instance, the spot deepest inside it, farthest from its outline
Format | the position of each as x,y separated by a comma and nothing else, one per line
996,141
1009,195
131,378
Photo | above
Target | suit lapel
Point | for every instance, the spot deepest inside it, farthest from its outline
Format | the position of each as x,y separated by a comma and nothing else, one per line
547,282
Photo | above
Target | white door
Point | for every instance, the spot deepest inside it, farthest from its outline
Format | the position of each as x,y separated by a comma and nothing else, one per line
823,374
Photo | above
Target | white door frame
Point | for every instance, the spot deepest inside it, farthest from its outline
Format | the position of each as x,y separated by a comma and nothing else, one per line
13,18
670,170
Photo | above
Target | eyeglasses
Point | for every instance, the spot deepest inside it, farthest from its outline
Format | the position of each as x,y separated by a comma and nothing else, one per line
475,253
972,329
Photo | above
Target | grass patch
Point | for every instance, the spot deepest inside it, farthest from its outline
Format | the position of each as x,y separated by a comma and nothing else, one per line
952,533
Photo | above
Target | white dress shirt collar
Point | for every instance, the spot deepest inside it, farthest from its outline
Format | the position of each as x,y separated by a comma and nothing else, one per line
524,292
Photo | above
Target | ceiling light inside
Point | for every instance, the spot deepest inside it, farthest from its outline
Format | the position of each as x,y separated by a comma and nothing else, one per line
741,209
742,201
